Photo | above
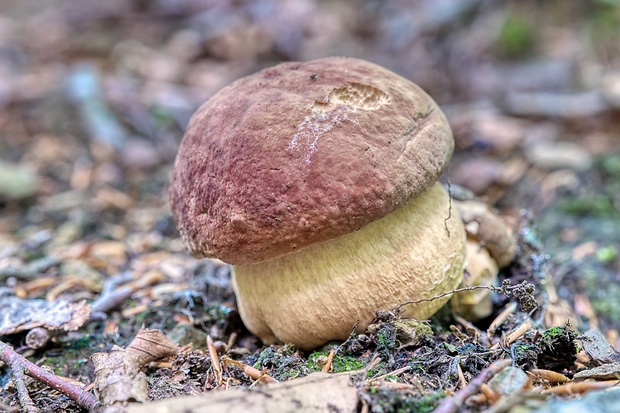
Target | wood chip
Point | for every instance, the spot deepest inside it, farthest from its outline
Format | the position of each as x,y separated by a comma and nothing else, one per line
605,372
318,392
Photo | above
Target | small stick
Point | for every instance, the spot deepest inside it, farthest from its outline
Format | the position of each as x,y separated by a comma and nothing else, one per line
438,296
490,394
581,387
549,376
392,373
231,341
19,365
515,334
215,361
254,373
502,317
395,385
111,297
453,404
376,360
38,337
330,359
462,380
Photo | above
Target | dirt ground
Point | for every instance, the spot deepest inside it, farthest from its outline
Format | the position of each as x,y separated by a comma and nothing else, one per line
94,99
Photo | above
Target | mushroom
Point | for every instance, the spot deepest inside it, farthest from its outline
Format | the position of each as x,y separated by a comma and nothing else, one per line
318,182
491,245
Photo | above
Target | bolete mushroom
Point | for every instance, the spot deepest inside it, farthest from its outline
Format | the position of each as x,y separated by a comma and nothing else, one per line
491,245
318,182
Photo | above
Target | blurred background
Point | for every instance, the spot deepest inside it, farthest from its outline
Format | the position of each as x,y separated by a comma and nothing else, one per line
95,95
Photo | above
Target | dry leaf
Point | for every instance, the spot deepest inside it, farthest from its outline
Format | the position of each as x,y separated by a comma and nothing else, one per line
119,377
21,315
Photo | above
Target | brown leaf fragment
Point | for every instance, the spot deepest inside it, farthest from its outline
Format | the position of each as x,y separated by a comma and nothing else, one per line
609,371
150,345
318,392
119,378
598,348
21,315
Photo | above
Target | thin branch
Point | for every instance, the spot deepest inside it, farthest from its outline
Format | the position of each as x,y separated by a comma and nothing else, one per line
19,365
505,289
438,296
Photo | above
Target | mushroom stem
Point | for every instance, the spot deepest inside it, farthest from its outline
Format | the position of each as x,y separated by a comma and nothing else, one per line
321,292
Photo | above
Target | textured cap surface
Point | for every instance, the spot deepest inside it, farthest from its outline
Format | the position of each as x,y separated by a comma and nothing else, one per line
301,153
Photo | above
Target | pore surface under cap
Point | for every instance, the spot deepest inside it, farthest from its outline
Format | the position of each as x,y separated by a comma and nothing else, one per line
302,153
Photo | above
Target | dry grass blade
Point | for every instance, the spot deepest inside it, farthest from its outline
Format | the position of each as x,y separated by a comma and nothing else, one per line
330,359
514,334
462,381
502,317
549,376
254,373
215,361
581,387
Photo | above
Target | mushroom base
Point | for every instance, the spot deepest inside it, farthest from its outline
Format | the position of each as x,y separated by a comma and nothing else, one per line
322,292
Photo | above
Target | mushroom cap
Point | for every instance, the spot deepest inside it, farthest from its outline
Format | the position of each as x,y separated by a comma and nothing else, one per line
301,153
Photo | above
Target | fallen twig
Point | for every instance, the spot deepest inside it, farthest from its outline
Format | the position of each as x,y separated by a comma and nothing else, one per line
548,376
254,373
506,289
19,365
397,372
514,334
452,404
215,361
112,297
581,387
501,318
38,337
330,359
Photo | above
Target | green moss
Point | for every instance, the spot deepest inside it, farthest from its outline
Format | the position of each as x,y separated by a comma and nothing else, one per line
604,297
281,363
392,401
553,332
83,342
598,205
607,254
339,363
606,302
557,348
385,339
270,355
603,24
378,370
611,165
516,37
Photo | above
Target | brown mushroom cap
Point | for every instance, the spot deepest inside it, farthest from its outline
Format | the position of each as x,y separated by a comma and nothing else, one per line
301,153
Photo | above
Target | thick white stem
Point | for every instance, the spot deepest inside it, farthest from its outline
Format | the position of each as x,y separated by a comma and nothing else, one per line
319,293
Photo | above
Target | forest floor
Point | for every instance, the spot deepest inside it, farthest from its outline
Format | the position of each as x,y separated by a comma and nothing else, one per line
94,98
